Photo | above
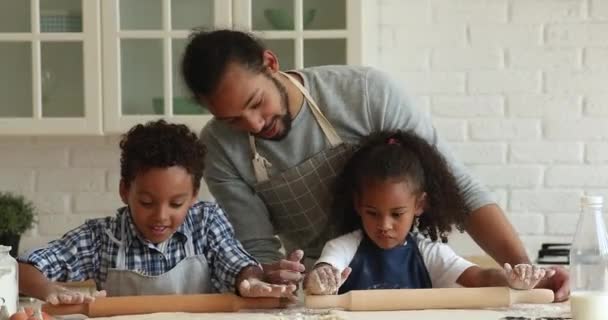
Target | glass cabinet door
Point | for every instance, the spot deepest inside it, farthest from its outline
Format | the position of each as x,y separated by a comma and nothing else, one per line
50,73
143,45
143,42
304,33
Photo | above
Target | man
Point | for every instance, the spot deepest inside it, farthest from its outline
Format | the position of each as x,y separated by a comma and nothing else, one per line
278,140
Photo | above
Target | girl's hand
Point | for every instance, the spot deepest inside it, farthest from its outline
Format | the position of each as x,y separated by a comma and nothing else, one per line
254,287
525,276
61,295
325,279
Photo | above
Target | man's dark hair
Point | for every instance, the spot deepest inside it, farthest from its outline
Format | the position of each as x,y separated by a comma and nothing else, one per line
159,144
209,53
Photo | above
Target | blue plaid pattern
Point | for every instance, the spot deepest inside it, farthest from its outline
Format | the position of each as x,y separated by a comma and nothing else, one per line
89,251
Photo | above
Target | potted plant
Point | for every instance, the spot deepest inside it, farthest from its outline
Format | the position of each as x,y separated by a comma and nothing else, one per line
16,216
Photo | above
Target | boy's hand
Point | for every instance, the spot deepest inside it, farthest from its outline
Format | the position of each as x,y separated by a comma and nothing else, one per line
254,287
286,271
525,276
61,295
325,279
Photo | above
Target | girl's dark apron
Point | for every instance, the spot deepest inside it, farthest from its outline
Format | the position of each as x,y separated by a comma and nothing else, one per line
401,267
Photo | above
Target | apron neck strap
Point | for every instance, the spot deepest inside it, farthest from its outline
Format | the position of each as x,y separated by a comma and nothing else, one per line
329,131
121,255
259,163
189,247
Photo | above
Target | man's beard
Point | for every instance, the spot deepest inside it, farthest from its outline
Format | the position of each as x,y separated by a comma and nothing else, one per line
283,119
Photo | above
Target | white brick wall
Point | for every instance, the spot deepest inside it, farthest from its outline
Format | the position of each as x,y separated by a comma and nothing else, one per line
518,87
546,106
597,105
532,121
547,58
596,152
543,11
577,34
468,106
546,152
505,129
599,9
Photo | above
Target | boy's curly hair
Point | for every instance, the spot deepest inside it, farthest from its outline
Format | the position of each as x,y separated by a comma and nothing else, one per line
400,155
158,144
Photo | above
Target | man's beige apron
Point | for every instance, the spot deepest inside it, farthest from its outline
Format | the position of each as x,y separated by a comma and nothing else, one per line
189,276
299,199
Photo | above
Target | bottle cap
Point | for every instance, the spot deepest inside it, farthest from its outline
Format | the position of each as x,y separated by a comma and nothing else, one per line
592,200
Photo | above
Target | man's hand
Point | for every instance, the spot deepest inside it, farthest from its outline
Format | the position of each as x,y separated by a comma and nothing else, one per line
325,279
254,287
526,276
62,295
286,271
559,283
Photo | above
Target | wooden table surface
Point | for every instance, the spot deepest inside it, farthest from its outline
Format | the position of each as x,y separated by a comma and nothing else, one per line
517,312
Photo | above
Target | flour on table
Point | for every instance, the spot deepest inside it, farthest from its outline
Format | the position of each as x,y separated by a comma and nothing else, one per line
523,310
195,316
285,314
421,314
554,310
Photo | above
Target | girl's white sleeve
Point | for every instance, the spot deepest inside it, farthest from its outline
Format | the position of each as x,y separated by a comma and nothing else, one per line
339,252
442,263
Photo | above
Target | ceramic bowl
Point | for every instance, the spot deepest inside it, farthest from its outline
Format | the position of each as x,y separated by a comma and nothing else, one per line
281,20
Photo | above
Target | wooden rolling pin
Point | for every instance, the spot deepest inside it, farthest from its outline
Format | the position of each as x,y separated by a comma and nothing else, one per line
412,299
193,303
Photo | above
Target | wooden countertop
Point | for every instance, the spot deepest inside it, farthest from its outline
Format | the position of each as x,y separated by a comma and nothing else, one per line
555,310
299,313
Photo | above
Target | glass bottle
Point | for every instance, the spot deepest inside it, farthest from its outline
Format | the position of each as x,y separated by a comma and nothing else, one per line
589,263
9,290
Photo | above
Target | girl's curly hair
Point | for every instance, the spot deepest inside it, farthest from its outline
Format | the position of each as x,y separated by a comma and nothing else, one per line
401,155
159,144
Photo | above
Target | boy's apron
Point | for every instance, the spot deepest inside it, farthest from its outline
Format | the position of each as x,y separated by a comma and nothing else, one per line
191,275
299,199
401,267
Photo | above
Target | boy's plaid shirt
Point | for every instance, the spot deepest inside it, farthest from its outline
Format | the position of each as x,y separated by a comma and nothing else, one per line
89,251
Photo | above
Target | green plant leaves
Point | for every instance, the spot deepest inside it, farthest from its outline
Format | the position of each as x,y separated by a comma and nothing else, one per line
16,213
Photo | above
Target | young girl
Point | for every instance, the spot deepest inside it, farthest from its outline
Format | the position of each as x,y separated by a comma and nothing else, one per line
162,242
398,198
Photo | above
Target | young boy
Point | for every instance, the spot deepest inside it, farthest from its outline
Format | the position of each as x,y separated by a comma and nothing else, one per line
162,242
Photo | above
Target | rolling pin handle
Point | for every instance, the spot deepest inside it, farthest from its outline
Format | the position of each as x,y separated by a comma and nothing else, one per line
65,309
534,296
328,301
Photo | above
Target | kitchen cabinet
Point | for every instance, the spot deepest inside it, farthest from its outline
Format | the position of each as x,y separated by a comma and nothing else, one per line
59,54
143,43
51,67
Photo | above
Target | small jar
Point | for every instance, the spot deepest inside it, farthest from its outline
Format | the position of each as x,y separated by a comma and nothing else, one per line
9,283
